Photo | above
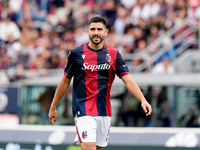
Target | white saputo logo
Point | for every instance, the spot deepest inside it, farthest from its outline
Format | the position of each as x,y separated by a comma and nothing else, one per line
87,66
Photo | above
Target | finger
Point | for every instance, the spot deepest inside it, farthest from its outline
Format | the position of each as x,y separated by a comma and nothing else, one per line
149,111
145,109
52,120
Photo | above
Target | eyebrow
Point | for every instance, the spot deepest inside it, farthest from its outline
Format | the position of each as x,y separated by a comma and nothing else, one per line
96,28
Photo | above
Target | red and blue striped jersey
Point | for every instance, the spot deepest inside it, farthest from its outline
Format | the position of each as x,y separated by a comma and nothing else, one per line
94,72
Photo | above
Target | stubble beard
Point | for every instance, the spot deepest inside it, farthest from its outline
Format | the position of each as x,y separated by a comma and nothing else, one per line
96,43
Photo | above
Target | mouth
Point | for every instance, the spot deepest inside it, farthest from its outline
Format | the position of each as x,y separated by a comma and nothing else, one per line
96,38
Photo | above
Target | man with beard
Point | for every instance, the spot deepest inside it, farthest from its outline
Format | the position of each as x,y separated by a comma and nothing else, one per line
93,66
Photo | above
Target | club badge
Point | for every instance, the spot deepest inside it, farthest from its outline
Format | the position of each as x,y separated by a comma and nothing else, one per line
108,57
84,134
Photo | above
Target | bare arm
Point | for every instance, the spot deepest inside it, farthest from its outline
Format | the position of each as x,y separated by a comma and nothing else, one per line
60,92
134,89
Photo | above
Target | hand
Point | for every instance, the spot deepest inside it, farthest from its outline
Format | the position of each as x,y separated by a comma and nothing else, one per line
52,116
146,107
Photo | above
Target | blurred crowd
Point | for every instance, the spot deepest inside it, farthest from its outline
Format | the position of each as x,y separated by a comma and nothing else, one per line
38,34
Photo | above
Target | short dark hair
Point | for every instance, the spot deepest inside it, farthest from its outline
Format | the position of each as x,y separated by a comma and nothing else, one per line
97,19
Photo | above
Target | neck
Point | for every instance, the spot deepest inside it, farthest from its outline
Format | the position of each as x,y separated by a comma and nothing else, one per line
96,47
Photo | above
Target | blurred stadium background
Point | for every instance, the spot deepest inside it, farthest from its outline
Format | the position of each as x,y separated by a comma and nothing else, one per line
159,40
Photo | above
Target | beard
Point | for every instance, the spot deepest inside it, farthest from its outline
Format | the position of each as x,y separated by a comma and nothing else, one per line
95,42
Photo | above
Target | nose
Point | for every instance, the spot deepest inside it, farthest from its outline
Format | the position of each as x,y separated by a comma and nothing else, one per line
96,32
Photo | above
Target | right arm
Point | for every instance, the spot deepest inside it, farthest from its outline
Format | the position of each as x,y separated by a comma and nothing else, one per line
62,88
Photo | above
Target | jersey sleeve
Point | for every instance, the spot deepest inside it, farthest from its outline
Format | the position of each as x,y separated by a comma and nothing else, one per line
121,66
70,66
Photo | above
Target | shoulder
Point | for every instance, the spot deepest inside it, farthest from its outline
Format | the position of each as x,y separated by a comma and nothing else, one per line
76,50
110,48
114,52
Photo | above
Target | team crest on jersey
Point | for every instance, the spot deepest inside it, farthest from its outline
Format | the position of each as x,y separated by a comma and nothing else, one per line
84,134
108,57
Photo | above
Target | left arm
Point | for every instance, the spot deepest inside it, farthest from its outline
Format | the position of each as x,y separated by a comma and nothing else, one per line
134,89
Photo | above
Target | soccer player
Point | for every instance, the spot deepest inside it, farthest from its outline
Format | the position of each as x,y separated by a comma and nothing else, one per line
93,67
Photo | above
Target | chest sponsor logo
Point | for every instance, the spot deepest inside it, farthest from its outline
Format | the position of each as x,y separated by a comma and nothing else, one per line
104,66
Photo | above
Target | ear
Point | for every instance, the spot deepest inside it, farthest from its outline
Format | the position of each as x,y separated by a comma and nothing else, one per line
106,32
88,32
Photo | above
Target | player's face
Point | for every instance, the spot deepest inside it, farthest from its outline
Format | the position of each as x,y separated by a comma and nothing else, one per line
97,32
